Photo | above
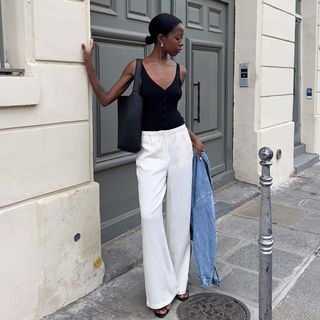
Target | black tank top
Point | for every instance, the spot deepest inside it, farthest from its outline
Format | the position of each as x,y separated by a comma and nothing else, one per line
160,105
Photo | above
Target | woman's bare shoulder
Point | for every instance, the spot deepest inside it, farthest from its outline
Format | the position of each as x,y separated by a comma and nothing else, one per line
130,68
183,70
183,73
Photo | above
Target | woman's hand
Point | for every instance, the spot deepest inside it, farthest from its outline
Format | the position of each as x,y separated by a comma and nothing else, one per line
199,146
87,52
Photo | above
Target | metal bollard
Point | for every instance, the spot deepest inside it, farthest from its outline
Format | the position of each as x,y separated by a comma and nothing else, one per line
265,238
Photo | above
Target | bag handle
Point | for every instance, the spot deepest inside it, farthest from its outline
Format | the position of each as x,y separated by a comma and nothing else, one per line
136,80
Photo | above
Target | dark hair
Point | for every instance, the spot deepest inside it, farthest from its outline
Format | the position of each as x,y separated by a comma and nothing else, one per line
162,23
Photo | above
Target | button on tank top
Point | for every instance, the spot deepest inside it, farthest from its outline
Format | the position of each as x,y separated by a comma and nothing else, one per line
160,105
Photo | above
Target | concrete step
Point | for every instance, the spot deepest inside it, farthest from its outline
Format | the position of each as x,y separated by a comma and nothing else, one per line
299,150
305,161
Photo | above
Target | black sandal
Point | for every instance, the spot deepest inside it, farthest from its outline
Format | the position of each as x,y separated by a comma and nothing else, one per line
183,296
162,315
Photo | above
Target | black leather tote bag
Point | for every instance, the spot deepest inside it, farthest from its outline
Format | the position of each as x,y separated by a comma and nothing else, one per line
130,116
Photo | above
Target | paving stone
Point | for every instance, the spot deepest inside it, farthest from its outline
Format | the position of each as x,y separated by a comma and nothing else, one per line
299,193
294,185
312,172
311,204
237,193
241,227
82,309
313,188
284,263
222,268
295,241
244,284
121,253
286,199
287,216
283,215
222,208
296,182
284,238
302,301
309,224
314,214
226,244
123,296
232,196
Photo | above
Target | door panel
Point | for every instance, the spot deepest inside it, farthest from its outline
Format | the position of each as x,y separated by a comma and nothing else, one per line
111,59
205,62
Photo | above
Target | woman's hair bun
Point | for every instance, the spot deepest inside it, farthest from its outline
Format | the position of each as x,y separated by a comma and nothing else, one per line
149,40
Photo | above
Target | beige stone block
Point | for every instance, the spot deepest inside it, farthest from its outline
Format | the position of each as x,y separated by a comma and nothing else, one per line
60,30
18,91
245,155
21,273
276,110
277,52
317,135
42,160
277,23
69,265
318,55
317,113
308,131
318,81
42,267
64,97
279,137
286,5
276,81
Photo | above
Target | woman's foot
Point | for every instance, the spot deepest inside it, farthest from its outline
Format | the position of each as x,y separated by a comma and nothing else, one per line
183,296
162,312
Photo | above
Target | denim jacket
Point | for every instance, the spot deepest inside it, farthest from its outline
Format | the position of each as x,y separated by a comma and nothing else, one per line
203,222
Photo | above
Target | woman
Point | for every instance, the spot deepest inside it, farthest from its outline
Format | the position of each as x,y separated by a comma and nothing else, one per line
164,164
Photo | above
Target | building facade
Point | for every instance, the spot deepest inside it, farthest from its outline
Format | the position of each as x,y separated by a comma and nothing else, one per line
253,81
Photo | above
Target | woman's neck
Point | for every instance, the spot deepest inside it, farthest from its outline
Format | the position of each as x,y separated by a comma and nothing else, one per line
158,55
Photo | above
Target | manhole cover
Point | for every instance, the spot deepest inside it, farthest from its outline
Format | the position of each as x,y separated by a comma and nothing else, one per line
212,306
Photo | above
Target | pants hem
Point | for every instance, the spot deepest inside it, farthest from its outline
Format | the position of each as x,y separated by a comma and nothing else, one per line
160,305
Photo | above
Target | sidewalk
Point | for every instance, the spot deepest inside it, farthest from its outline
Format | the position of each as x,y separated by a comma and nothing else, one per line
296,261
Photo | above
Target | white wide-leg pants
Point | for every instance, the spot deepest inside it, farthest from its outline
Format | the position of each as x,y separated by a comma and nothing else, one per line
164,167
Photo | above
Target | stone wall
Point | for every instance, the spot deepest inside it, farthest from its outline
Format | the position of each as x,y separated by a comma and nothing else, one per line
265,35
47,194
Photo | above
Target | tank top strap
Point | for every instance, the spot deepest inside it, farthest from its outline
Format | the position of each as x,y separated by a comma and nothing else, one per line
178,73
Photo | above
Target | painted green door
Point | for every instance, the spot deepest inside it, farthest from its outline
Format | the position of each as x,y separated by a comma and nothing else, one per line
119,29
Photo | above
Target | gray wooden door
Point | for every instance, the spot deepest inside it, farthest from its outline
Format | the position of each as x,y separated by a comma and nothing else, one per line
119,28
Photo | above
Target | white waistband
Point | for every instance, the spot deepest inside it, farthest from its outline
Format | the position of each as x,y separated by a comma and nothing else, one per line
164,132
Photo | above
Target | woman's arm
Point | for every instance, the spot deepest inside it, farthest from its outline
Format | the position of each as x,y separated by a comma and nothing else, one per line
106,97
197,143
